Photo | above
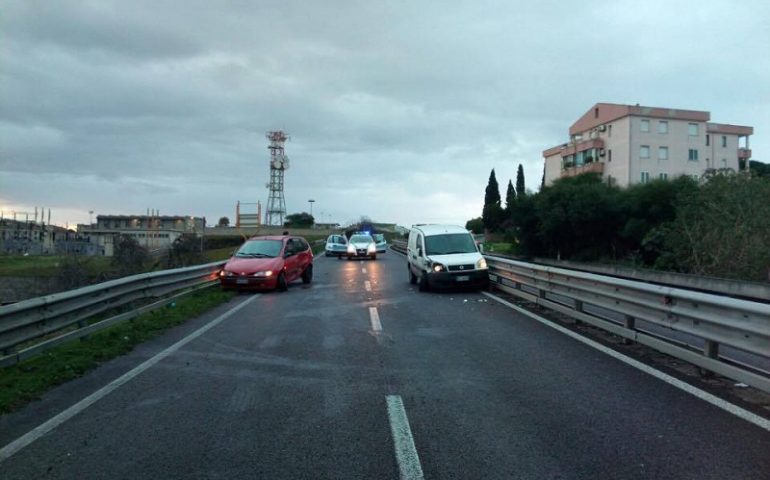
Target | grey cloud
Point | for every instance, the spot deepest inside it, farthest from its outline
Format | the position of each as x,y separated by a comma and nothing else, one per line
168,102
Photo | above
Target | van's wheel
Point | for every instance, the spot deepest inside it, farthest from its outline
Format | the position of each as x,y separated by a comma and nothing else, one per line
374,257
423,285
307,275
412,276
281,285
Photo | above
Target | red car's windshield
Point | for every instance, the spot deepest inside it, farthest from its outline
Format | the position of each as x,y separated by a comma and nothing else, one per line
260,248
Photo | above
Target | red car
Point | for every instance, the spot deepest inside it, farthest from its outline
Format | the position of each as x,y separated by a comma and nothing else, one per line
268,263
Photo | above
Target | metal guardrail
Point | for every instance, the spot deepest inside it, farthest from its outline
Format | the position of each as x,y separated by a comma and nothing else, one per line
399,246
64,316
717,320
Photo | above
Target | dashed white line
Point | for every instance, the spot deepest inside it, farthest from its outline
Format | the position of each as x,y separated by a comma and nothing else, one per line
406,453
363,270
675,382
368,286
29,437
374,317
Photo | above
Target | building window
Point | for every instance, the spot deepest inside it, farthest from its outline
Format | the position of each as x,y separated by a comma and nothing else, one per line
609,130
645,177
663,176
724,163
662,127
645,126
724,141
662,153
708,140
609,155
692,129
644,151
692,155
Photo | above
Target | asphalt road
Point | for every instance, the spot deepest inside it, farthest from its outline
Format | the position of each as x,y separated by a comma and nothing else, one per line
359,375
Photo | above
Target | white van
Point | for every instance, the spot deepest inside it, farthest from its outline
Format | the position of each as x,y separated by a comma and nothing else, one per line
444,255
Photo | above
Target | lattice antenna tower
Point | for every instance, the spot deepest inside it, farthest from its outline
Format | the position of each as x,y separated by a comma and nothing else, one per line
279,163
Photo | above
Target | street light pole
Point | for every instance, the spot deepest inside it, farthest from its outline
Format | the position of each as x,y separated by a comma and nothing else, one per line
311,202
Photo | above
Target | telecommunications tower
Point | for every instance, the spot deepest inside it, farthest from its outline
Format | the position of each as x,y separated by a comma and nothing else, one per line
279,163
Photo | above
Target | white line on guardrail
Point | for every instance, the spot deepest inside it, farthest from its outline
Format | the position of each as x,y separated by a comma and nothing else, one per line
26,439
760,422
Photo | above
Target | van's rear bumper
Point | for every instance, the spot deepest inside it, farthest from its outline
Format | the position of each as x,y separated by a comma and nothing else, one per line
474,278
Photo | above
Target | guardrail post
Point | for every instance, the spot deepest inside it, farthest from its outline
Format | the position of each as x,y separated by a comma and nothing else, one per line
578,308
711,350
82,324
630,323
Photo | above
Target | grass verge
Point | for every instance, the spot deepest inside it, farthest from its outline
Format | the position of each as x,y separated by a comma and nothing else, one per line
500,247
45,265
26,381
219,254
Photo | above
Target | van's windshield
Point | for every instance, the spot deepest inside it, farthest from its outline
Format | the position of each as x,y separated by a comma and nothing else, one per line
449,243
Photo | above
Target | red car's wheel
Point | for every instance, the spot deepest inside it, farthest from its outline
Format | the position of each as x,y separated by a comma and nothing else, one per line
307,275
281,283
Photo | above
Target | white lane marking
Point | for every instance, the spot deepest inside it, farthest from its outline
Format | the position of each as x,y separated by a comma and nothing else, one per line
368,286
761,422
374,317
29,437
363,270
406,454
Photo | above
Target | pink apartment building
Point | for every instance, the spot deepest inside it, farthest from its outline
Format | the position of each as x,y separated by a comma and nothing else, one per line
630,144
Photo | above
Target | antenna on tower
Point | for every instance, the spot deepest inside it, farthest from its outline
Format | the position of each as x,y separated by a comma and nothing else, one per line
279,163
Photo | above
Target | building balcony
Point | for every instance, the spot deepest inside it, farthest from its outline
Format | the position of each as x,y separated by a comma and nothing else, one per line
593,167
573,148
744,153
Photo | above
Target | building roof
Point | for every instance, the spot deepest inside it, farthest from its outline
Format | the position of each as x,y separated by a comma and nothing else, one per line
729,129
602,113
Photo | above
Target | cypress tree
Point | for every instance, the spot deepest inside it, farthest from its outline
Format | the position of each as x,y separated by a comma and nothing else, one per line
492,194
492,215
520,189
510,196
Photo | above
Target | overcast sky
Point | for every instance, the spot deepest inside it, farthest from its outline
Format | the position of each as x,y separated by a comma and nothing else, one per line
396,110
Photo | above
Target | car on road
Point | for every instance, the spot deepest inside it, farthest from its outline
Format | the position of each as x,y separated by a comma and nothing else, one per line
382,244
444,256
361,245
268,263
336,246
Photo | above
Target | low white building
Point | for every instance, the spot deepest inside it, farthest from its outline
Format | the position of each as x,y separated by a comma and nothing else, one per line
156,233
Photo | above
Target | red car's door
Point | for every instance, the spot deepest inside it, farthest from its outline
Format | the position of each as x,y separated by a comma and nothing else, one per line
305,257
291,260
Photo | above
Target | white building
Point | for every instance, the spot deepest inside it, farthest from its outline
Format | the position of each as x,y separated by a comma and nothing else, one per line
153,232
630,144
